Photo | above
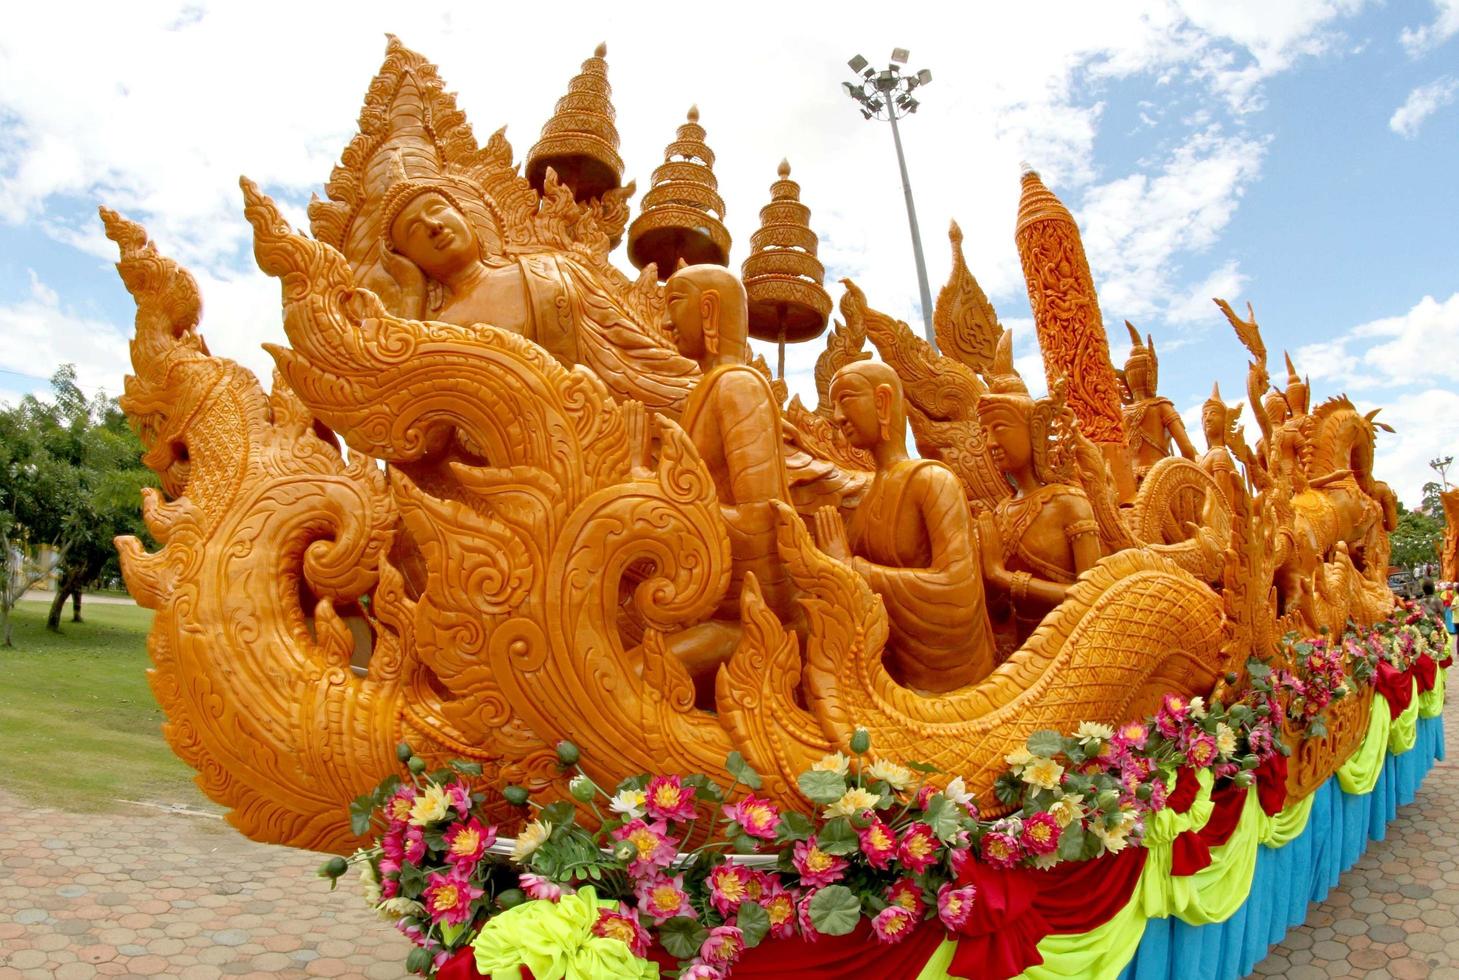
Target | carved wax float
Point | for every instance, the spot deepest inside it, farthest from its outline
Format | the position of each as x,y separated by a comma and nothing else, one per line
540,521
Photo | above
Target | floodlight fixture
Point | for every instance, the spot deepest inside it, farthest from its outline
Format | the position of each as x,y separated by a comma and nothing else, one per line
923,77
857,63
887,80
899,56
851,90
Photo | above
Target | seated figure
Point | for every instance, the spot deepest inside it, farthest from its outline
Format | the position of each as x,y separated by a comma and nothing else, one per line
1037,542
442,270
1151,422
912,539
734,422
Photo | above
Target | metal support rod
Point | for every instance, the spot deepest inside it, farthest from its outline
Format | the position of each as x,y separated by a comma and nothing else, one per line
916,235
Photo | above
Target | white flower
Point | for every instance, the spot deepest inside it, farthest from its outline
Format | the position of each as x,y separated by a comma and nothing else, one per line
1198,708
630,803
957,792
854,801
835,762
400,907
429,807
895,776
1225,740
1093,733
370,882
1043,773
1067,809
1017,759
533,836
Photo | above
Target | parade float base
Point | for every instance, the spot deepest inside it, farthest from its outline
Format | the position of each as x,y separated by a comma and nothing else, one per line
1212,891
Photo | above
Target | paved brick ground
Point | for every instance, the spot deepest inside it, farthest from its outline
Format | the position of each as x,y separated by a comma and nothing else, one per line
142,893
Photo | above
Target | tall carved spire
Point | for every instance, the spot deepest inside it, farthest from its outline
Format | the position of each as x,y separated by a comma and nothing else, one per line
580,141
782,276
1070,328
682,216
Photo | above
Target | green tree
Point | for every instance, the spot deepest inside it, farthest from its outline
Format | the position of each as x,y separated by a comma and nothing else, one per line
1416,539
1430,504
72,482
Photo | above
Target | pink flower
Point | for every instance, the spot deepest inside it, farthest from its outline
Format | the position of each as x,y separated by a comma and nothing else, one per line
757,817
448,897
893,924
816,867
1040,834
1001,850
906,894
723,947
392,844
654,848
458,795
878,843
661,897
919,847
1158,794
622,924
1132,735
1201,752
667,798
729,885
924,796
779,905
1261,741
415,845
541,889
467,842
701,971
397,808
954,905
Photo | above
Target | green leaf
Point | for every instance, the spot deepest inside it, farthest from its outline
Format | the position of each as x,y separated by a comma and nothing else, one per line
942,816
681,937
737,767
922,767
559,814
1258,670
465,767
1071,843
822,787
361,810
1008,789
837,837
1046,742
753,921
793,826
705,788
835,910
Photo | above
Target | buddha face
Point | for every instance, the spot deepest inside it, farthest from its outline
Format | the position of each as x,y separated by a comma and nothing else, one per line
1009,442
435,236
684,316
855,409
1213,423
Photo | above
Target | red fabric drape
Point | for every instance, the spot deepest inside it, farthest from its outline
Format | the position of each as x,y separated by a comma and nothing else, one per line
1395,685
1186,787
1077,896
1425,671
1227,800
1271,784
1000,938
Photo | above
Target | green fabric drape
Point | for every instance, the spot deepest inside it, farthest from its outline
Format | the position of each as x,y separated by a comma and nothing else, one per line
555,941
1404,731
1431,703
1359,774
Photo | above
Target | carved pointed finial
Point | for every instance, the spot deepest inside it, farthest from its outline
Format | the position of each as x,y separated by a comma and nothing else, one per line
1216,391
1134,334
580,142
1292,375
782,274
682,215
1025,168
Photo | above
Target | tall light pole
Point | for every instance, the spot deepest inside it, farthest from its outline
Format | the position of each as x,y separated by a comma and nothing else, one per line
889,92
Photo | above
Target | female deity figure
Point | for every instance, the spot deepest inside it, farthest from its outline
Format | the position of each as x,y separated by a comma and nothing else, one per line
1036,543
1151,422
1218,422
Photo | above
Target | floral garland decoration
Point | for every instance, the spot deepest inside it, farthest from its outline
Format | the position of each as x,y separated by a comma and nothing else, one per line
891,843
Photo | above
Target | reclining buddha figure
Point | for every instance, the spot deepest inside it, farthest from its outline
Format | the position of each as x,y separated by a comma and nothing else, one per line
1037,542
445,272
912,539
1151,422
734,422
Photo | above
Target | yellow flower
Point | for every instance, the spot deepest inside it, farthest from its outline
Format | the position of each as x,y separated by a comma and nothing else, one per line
630,803
854,801
370,882
429,806
895,776
533,836
1092,733
1225,740
835,762
400,907
1017,759
1043,773
1067,809
1114,840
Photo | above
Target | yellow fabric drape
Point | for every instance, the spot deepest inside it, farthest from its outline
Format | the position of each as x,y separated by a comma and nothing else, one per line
555,941
1359,774
1431,703
1404,731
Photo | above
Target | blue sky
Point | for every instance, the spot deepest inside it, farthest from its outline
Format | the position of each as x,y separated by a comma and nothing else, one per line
1297,154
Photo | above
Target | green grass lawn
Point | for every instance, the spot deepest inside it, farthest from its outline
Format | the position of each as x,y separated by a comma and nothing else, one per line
78,724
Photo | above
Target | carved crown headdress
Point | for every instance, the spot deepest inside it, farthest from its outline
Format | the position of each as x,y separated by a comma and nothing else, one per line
1048,419
1228,414
1142,355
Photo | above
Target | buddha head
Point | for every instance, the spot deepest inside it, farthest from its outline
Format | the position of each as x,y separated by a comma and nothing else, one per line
707,309
867,404
422,222
1141,367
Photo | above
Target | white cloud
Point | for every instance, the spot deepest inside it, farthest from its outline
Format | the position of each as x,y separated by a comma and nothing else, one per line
1195,307
42,333
1418,41
1421,103
1402,364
